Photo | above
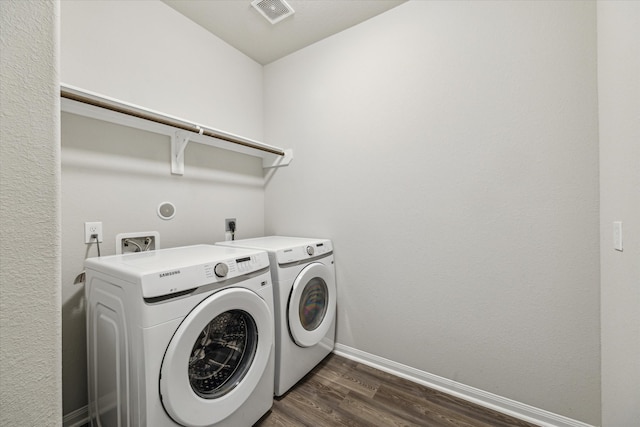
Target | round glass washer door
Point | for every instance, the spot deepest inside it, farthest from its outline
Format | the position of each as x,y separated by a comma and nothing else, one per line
312,305
222,354
216,357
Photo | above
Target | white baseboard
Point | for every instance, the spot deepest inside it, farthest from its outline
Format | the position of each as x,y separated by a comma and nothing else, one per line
77,418
488,400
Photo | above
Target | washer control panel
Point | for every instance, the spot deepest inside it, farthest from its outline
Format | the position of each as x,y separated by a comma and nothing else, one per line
198,269
303,252
235,267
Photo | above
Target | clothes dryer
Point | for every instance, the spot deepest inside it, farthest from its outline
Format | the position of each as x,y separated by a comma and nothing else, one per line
305,299
180,337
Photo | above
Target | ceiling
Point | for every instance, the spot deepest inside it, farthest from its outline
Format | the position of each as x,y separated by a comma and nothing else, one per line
239,24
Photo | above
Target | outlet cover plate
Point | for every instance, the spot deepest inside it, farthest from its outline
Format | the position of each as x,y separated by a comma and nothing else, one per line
91,228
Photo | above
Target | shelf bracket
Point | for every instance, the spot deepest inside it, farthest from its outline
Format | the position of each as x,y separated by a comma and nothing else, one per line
179,141
271,161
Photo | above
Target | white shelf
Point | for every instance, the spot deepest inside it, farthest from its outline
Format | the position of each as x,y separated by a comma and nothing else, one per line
96,106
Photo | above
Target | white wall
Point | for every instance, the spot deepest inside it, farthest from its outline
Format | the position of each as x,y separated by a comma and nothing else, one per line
30,326
450,151
145,53
136,51
619,102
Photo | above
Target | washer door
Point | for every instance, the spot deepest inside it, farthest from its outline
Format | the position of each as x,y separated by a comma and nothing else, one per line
312,305
216,357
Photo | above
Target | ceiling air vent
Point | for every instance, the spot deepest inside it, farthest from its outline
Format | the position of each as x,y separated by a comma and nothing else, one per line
274,10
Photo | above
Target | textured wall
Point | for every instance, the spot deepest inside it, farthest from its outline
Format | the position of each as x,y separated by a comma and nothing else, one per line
450,151
619,102
30,327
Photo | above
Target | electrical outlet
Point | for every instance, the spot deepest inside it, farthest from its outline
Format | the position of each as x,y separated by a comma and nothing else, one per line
230,226
227,221
91,228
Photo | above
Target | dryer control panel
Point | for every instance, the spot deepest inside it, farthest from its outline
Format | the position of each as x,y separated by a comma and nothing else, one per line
304,252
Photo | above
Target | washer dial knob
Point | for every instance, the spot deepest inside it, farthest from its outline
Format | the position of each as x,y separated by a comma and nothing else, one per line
310,250
221,269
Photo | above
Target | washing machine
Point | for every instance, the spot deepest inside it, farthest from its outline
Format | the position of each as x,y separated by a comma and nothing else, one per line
180,337
305,298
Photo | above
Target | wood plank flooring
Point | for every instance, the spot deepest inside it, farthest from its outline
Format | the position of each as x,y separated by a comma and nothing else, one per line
341,392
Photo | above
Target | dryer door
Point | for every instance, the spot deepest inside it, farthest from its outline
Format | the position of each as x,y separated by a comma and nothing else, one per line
216,357
312,305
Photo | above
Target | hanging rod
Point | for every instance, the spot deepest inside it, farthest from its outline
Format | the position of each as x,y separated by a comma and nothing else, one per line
74,95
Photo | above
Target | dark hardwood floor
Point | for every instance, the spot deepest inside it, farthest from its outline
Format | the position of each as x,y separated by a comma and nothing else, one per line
341,392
